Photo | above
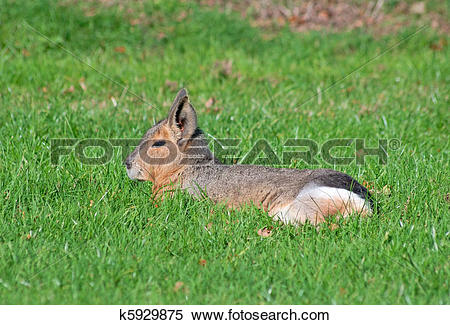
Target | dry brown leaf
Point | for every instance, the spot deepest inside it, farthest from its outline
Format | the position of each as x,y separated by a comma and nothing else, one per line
210,102
102,104
82,84
224,67
120,49
135,21
182,16
417,8
178,285
438,46
90,13
69,90
368,185
265,232
172,85
25,53
324,15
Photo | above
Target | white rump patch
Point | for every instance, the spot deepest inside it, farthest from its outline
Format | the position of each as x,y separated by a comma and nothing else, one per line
314,203
336,194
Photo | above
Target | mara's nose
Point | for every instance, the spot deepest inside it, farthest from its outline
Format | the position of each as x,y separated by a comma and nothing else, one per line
128,164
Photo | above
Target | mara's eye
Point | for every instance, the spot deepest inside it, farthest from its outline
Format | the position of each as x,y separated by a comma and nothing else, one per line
159,143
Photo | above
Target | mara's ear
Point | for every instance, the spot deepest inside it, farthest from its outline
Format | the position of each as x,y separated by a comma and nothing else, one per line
182,117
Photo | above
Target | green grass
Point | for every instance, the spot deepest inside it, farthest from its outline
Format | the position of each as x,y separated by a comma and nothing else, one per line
79,234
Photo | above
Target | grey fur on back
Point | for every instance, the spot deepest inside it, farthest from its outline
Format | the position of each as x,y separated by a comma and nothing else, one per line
267,185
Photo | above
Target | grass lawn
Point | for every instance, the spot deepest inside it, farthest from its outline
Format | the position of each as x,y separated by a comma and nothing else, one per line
82,234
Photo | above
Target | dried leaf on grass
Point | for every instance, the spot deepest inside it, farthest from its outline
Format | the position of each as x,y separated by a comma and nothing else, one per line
172,85
71,89
82,84
178,285
417,8
224,67
120,49
210,102
265,232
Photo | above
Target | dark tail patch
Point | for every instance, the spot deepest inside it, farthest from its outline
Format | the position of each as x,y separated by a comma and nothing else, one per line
333,178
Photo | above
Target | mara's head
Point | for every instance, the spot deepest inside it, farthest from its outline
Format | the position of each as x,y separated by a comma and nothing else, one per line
164,149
